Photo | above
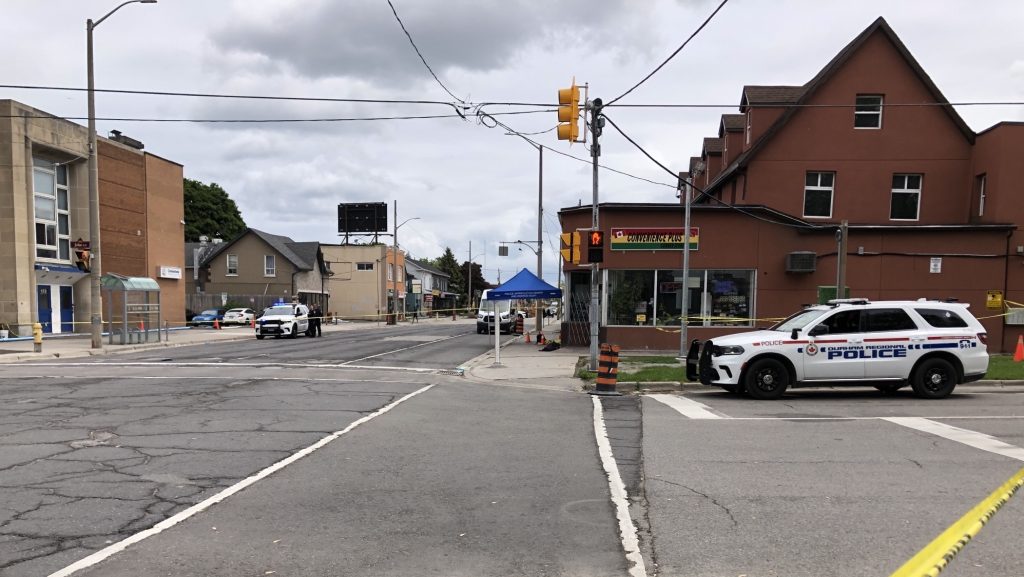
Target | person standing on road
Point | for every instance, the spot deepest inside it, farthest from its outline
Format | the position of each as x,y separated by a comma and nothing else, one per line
315,318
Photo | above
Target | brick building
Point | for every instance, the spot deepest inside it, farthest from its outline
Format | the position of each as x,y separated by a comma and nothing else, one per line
931,205
44,210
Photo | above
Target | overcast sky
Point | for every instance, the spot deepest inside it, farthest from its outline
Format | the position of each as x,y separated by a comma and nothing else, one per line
464,181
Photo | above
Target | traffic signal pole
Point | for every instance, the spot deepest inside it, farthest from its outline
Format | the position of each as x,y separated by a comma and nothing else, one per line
596,123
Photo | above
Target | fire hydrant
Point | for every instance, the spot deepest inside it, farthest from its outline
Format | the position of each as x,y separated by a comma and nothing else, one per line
37,337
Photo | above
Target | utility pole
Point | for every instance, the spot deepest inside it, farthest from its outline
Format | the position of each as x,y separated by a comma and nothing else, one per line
540,231
393,269
842,237
469,279
684,346
596,123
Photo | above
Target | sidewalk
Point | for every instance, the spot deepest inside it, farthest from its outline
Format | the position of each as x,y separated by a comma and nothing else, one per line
525,364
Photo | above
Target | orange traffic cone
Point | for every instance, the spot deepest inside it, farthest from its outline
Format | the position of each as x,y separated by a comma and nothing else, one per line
253,325
527,340
142,327
540,339
1018,356
216,324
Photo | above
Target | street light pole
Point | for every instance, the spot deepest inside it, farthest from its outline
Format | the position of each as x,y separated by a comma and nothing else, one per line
540,230
95,319
394,257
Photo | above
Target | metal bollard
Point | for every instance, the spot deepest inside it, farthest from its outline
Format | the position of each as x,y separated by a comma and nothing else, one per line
37,337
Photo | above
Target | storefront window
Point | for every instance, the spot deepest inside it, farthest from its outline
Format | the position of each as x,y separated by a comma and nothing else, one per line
631,297
670,296
729,297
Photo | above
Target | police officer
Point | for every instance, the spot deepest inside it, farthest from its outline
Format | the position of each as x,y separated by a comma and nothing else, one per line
315,318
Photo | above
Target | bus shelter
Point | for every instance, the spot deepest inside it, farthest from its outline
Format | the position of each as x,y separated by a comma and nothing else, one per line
133,308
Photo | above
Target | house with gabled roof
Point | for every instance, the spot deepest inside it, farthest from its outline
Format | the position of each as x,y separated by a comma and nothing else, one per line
260,264
931,207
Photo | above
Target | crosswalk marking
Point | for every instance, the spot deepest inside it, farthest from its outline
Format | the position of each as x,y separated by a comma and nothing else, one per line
965,436
688,407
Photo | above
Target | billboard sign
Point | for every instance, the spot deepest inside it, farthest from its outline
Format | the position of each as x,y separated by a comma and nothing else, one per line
362,217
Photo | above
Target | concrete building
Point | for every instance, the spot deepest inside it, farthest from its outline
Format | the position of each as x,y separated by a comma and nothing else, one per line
932,209
44,213
256,269
366,283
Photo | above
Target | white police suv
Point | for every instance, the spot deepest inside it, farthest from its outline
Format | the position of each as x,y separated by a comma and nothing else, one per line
930,345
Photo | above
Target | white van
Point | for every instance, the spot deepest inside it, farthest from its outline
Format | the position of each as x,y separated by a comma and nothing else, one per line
485,316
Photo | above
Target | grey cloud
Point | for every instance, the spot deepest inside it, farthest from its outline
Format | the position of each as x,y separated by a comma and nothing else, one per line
362,39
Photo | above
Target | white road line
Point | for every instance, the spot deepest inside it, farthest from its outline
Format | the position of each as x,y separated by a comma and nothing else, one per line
203,505
965,436
627,532
207,377
406,348
688,407
241,365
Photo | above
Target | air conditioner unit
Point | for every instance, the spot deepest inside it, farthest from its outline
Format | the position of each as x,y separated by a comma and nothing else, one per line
801,261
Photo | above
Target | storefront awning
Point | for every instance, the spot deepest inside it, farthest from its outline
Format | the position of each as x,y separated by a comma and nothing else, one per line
48,273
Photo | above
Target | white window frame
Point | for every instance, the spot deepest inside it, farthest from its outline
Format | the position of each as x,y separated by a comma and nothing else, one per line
905,190
749,124
228,266
269,265
831,192
864,113
63,240
391,272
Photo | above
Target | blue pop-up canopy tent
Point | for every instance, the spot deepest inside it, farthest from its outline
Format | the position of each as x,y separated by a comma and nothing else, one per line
525,285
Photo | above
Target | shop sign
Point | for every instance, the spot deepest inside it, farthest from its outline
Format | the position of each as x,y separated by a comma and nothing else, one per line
428,298
170,272
417,286
436,292
994,300
653,238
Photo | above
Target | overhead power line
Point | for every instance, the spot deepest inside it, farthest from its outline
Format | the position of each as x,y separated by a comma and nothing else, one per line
844,105
267,120
671,56
704,193
420,54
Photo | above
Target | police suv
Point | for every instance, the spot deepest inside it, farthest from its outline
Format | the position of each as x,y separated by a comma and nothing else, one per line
283,320
930,345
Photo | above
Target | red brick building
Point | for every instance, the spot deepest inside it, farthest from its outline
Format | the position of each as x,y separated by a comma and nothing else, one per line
932,208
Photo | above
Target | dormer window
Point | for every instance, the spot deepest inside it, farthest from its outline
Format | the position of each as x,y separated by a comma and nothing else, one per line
868,112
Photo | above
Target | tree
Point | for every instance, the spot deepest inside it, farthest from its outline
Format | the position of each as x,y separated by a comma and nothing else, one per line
479,283
447,263
210,211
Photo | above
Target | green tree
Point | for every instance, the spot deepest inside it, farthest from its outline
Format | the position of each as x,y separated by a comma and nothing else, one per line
210,211
447,263
479,283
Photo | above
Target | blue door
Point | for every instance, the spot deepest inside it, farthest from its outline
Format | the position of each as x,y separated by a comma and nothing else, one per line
67,310
45,308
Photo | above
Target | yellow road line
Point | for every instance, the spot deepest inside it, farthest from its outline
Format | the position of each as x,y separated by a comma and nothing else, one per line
938,554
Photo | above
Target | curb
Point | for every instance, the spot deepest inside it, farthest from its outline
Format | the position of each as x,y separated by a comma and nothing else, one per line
673,386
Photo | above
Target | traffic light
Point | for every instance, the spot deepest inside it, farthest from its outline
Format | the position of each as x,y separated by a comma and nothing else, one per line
569,113
570,248
595,246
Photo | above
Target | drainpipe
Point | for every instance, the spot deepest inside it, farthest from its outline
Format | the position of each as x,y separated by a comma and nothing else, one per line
1006,286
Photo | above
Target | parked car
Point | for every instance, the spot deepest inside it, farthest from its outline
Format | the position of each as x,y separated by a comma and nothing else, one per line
285,320
208,316
239,316
931,346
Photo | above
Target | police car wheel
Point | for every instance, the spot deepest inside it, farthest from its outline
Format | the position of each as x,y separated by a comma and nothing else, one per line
259,337
935,378
767,379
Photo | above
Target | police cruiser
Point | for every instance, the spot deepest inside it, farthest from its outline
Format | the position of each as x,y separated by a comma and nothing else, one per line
930,345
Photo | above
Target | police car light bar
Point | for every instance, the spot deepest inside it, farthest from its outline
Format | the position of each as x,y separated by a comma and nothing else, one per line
848,301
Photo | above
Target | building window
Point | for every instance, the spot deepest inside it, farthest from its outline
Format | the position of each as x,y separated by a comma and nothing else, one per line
655,298
232,265
906,197
391,271
980,180
748,126
52,211
364,266
269,265
868,112
818,188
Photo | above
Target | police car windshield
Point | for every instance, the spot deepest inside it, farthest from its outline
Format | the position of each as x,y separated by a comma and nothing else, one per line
799,320
282,310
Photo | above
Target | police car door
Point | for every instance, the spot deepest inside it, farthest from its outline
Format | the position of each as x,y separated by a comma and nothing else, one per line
834,348
888,334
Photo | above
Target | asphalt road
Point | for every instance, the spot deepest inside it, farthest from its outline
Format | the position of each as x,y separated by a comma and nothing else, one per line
355,454
821,483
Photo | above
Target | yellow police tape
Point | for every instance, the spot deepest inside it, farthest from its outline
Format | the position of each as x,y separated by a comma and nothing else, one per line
938,554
